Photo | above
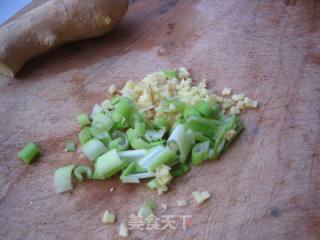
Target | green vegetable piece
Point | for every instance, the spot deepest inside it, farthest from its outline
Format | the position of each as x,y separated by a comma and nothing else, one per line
135,141
108,164
179,142
84,135
171,74
83,169
139,128
120,141
216,107
153,184
205,109
115,100
83,119
122,109
135,117
70,146
180,170
101,135
177,173
102,122
191,111
174,105
93,149
153,135
62,179
29,153
200,152
156,157
203,125
132,155
160,122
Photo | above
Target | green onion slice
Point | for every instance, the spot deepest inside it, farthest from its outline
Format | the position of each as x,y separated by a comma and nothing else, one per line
84,135
132,155
205,109
135,141
122,109
200,152
156,157
102,122
152,134
135,178
103,136
108,164
95,110
160,122
63,179
179,142
83,119
203,125
70,146
139,128
93,149
120,141
191,111
29,152
83,169
170,74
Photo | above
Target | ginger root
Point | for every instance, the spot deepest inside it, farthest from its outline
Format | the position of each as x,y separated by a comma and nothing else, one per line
52,24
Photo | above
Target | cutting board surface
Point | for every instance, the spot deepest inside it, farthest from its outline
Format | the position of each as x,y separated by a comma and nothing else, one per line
267,186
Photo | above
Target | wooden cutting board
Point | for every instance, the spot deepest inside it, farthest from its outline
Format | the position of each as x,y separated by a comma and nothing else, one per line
266,187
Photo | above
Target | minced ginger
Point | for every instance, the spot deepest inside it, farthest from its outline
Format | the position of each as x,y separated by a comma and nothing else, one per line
151,93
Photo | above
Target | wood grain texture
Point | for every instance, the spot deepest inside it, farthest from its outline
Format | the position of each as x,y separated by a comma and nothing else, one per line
266,187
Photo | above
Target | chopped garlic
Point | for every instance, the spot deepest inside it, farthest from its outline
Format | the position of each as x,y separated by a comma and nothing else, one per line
108,217
235,110
240,105
229,134
163,178
123,230
227,103
205,195
250,103
112,89
182,203
238,97
226,92
183,73
201,197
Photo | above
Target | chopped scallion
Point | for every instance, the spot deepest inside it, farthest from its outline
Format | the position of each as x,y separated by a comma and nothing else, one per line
83,119
63,179
152,135
122,109
84,135
132,155
83,169
70,146
93,149
204,125
156,157
29,152
108,164
205,109
200,153
178,141
102,122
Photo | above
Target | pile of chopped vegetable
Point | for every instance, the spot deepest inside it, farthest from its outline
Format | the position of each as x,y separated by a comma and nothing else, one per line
155,129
